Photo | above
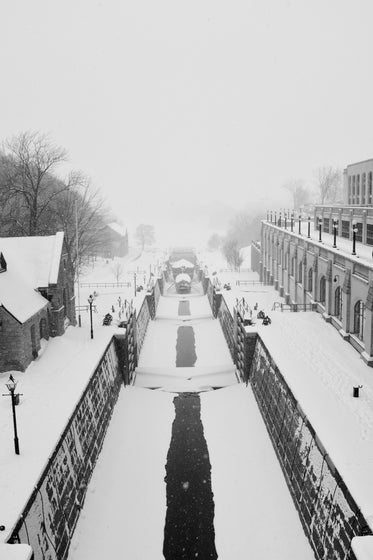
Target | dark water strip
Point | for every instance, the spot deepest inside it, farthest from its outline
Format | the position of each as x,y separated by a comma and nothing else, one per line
189,530
184,307
185,347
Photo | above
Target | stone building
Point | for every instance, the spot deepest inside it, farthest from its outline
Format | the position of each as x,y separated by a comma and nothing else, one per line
36,296
357,210
338,283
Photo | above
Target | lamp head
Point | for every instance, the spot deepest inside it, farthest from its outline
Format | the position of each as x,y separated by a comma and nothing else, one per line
90,299
11,384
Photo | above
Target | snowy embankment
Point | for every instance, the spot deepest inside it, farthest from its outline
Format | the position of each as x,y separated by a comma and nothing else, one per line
321,370
50,389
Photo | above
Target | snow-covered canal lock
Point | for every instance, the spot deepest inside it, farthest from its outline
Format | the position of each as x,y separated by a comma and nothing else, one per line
187,471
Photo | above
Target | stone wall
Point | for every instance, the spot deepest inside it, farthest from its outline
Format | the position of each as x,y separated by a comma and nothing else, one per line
17,348
50,516
329,514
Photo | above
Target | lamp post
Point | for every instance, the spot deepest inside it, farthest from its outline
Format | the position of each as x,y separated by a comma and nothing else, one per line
354,232
335,227
292,223
276,218
320,226
309,227
299,225
11,386
90,301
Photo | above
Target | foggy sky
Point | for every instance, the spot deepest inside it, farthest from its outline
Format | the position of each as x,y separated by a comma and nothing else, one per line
161,101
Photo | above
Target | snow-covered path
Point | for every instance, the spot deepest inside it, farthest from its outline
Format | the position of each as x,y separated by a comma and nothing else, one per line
125,509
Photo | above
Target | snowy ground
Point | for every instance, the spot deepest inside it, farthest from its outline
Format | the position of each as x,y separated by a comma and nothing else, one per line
254,513
320,367
51,386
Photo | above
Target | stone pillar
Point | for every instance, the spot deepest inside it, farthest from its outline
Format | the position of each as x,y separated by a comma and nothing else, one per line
329,289
364,222
368,328
315,278
346,303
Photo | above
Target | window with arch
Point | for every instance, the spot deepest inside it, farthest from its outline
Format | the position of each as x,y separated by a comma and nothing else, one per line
43,328
322,286
310,279
338,303
359,319
300,272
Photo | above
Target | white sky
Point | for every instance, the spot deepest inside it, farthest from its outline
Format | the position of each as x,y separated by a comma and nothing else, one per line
204,100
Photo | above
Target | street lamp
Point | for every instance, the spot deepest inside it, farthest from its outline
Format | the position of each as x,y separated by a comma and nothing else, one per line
299,224
335,227
292,223
11,386
90,301
276,218
354,232
309,227
320,226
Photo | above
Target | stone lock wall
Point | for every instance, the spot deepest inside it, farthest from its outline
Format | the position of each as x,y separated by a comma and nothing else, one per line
48,521
329,514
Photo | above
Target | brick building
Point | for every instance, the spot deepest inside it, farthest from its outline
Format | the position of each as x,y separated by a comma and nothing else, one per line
36,296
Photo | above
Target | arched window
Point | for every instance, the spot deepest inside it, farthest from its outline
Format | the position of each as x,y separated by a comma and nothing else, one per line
359,319
338,303
310,279
43,328
300,272
322,289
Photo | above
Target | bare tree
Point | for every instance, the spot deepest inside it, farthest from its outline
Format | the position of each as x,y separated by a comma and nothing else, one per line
27,180
232,253
298,191
145,235
81,211
117,270
328,181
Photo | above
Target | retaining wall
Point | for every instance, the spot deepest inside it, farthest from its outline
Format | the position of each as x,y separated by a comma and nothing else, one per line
49,518
329,514
48,521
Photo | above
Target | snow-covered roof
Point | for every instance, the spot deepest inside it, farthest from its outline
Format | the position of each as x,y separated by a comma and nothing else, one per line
117,228
15,552
182,263
32,262
36,258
